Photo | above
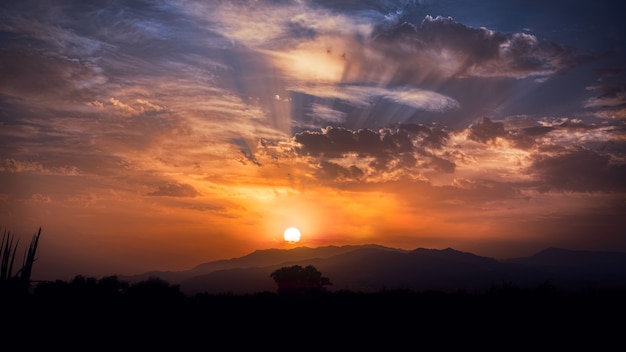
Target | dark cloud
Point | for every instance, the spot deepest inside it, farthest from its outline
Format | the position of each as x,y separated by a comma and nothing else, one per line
434,137
617,93
616,147
77,27
612,97
526,138
338,141
485,130
175,190
99,46
31,76
609,101
580,171
478,44
383,7
441,164
404,147
334,172
442,46
246,150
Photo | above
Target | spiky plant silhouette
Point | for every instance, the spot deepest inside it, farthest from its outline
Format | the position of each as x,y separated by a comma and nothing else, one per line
18,282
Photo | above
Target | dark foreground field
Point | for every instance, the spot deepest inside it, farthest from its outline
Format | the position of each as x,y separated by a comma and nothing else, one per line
89,316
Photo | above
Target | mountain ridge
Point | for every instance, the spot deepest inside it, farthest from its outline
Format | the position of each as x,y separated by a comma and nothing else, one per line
372,267
259,257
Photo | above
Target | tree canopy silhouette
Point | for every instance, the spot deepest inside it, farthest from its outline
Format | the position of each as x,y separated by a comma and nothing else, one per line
298,279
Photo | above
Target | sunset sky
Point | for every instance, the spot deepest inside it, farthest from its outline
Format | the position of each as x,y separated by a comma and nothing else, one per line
158,135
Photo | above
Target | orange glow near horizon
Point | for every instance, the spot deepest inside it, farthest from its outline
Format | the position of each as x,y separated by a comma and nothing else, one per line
236,216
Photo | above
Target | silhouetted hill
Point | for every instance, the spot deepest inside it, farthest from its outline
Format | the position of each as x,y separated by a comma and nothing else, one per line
559,257
372,268
575,268
258,258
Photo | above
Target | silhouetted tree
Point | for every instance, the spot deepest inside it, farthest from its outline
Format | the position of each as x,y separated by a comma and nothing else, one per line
154,289
296,279
82,289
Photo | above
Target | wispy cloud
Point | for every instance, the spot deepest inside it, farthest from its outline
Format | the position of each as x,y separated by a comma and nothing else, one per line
365,96
174,190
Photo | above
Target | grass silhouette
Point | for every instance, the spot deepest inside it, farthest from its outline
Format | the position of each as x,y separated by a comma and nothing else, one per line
19,282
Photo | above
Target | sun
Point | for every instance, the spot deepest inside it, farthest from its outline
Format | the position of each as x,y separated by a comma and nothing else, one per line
292,235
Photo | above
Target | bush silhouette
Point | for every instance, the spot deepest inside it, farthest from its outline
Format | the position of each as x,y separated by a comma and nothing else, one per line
296,279
154,290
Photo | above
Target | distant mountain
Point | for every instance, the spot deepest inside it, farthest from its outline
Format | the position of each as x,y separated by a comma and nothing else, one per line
258,258
371,268
570,268
559,257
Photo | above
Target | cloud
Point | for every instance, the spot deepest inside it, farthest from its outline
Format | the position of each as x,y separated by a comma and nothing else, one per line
580,171
13,166
326,114
611,103
140,106
37,30
405,150
41,198
441,164
330,171
560,154
337,141
419,99
66,80
270,24
172,189
612,95
485,130
429,137
449,49
36,167
546,135
364,96
610,89
526,138
366,56
246,150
